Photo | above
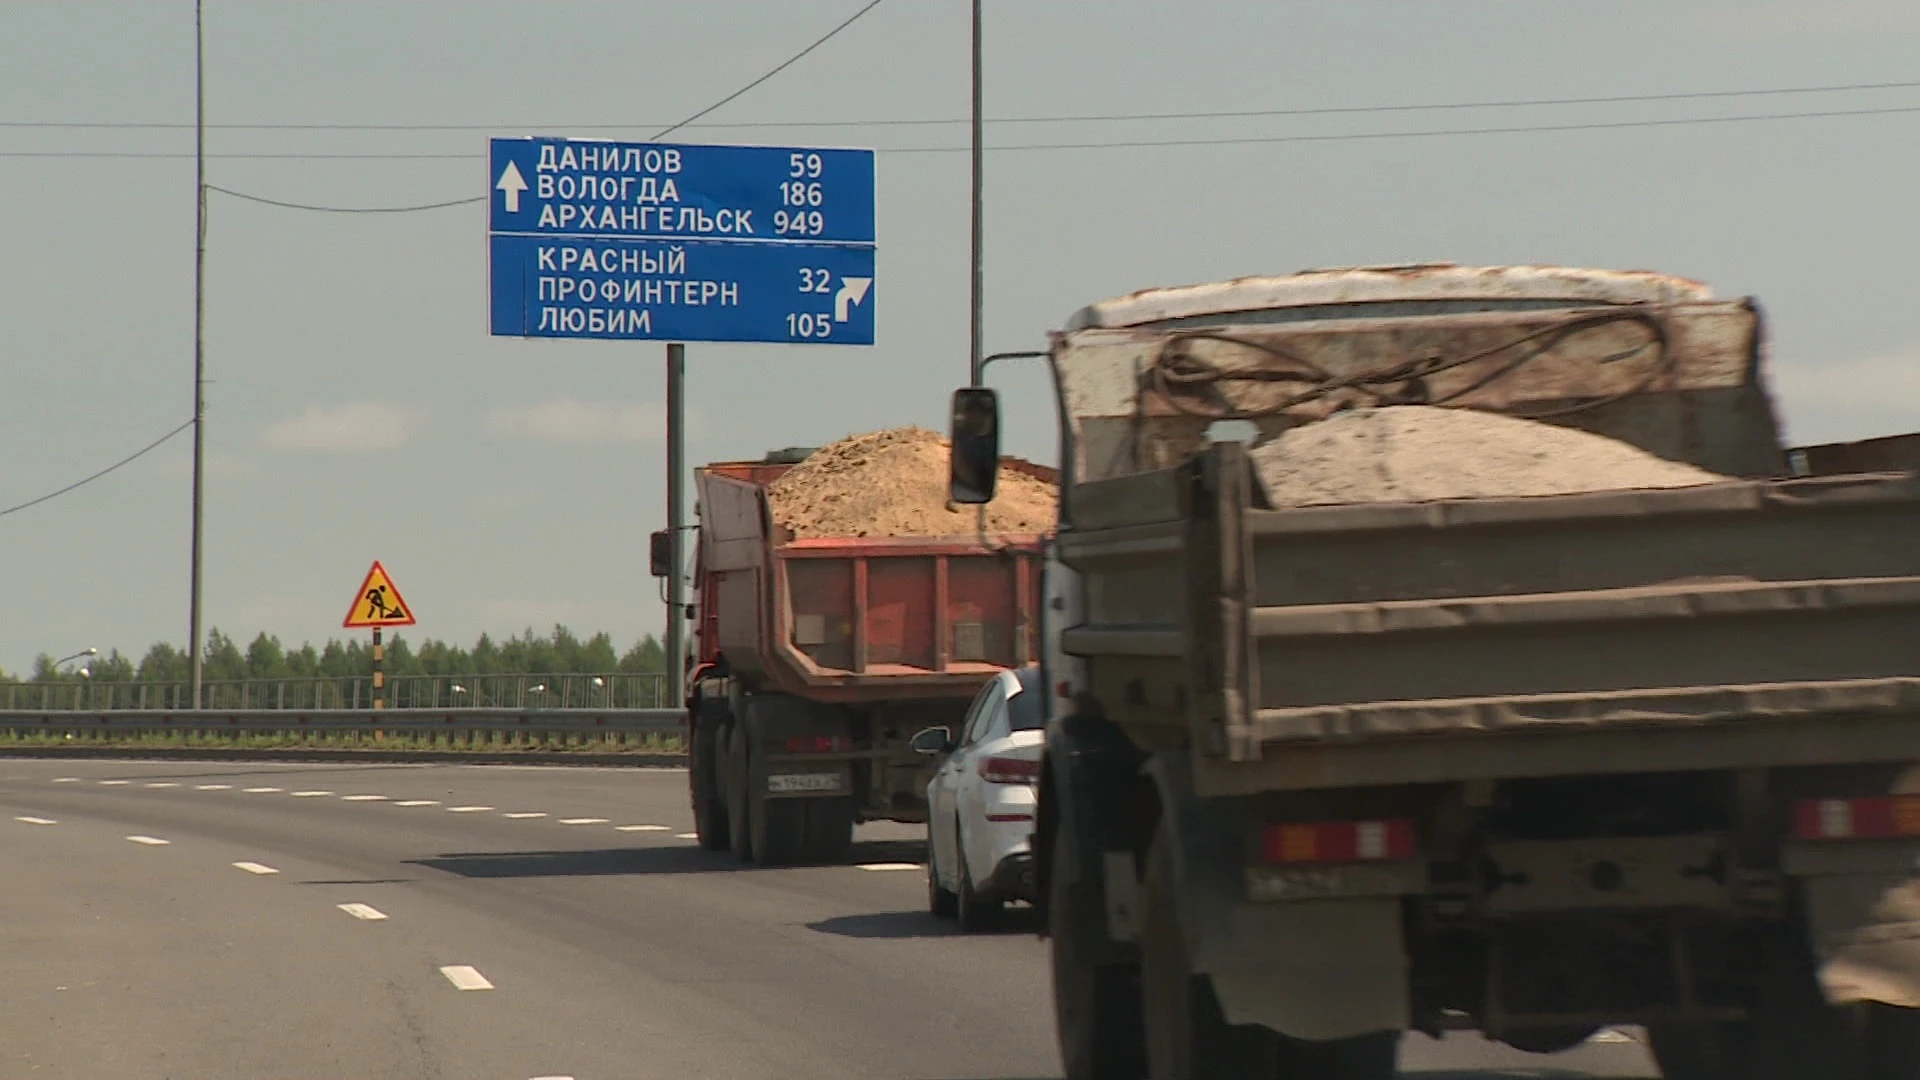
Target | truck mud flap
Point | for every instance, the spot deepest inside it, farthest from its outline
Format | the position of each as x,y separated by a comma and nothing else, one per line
1311,969
1863,916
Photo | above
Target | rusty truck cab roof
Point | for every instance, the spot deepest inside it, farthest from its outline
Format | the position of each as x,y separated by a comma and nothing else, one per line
1427,288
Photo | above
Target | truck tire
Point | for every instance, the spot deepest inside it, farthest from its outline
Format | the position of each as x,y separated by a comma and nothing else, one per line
1096,1007
709,806
1188,1037
1794,1032
739,837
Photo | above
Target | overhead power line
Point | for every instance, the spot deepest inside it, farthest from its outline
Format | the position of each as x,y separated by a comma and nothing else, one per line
1066,118
736,95
128,460
784,65
1109,144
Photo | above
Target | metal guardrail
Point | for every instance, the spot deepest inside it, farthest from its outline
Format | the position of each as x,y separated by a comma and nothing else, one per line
604,690
489,723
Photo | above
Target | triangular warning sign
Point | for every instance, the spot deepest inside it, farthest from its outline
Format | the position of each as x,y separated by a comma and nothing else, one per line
378,603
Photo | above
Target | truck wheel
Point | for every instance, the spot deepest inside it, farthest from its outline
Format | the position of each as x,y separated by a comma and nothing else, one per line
1188,1037
739,836
1096,1007
709,810
974,911
829,830
1792,1031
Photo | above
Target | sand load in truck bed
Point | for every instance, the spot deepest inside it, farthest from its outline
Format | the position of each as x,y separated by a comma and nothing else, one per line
893,483
1419,453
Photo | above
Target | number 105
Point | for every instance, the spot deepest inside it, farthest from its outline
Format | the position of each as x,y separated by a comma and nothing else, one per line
806,324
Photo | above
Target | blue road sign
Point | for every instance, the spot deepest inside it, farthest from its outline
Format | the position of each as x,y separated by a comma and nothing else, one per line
670,242
573,187
697,290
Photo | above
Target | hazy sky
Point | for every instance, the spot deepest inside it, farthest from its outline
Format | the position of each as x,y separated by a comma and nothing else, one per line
359,410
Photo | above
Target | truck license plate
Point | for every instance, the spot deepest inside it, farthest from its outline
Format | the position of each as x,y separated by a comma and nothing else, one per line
813,781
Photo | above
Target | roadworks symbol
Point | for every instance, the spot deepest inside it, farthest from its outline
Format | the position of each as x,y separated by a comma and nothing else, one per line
378,603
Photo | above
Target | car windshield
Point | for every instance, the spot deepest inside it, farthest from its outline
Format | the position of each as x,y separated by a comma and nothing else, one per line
1026,710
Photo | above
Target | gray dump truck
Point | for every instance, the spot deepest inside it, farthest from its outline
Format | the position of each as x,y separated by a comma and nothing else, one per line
1317,776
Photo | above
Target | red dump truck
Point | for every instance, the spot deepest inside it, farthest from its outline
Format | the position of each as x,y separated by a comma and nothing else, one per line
817,660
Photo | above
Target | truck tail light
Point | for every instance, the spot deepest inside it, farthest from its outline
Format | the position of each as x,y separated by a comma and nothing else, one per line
818,744
1340,842
1857,819
1006,770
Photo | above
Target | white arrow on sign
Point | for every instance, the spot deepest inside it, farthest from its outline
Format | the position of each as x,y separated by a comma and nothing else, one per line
852,291
513,184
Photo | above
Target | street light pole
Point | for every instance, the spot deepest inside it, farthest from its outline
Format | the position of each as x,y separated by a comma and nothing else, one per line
978,330
199,345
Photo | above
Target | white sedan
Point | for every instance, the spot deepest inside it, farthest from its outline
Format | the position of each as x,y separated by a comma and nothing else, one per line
980,802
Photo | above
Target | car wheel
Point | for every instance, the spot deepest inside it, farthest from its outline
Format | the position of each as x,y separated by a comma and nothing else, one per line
941,900
974,911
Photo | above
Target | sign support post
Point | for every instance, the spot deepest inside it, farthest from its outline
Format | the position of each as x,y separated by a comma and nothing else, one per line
379,671
676,524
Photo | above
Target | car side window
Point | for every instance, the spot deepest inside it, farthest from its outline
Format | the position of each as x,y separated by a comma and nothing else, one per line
993,704
970,723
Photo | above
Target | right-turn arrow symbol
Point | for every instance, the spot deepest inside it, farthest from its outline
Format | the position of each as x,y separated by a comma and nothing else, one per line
852,291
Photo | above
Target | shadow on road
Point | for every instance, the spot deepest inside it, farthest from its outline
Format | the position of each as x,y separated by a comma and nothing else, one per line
920,924
608,862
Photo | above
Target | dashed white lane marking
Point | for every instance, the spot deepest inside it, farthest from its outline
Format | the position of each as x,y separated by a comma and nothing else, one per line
115,783
310,794
37,820
419,802
213,787
640,828
468,809
66,780
465,978
527,814
255,868
261,790
363,798
686,836
583,821
553,1078
165,784
890,866
1611,1035
151,841
362,911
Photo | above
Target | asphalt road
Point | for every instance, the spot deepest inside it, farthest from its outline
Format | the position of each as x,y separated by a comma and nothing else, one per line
175,920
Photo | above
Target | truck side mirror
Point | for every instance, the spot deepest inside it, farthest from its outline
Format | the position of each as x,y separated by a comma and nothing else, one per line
973,457
660,554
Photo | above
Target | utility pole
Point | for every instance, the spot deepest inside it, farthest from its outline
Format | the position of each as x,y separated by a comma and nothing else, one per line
978,329
199,327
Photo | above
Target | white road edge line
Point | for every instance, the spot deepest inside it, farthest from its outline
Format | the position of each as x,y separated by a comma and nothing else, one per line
363,798
363,912
213,787
468,809
419,802
255,868
37,820
583,821
890,866
465,978
640,828
151,841
526,814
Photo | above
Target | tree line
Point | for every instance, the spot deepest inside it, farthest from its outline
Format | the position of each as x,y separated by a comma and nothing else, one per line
558,653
